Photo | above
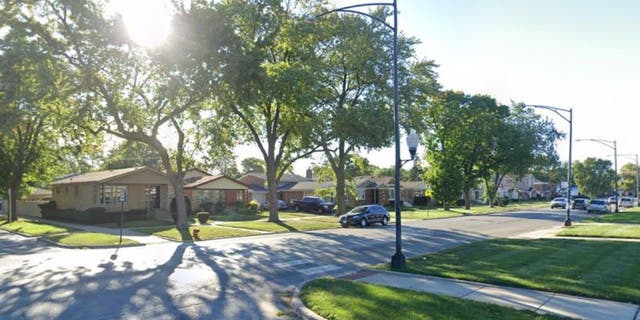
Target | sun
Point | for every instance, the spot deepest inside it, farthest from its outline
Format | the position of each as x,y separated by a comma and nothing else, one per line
147,21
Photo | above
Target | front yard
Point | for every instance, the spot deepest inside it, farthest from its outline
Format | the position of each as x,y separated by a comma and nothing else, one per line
614,225
65,235
599,269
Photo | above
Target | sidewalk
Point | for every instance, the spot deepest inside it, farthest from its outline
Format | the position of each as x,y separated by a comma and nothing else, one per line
518,298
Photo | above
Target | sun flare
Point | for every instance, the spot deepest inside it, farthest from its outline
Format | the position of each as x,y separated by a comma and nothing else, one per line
147,21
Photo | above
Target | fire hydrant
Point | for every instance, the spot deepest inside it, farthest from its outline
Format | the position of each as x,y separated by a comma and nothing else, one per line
196,233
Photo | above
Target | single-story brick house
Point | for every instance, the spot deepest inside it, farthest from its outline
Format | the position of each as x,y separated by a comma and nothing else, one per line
145,188
257,183
216,189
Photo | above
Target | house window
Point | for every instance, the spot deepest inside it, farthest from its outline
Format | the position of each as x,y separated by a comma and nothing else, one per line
110,195
392,194
361,194
240,196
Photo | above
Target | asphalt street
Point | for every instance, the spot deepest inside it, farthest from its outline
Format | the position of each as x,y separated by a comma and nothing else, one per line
240,278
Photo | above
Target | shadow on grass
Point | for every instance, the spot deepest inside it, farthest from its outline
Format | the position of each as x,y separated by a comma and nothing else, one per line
286,226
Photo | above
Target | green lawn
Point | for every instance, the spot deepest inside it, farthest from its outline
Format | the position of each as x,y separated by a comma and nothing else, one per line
602,230
622,217
600,269
35,229
288,225
90,239
64,235
341,299
207,232
423,213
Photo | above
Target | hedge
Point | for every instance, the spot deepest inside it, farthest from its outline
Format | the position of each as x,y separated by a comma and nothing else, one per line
90,216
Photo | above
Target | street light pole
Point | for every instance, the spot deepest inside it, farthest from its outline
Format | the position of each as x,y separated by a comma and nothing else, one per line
398,259
567,221
611,144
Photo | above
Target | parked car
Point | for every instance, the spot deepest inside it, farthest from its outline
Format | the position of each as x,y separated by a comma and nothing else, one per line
626,202
598,206
611,200
580,204
282,205
365,215
559,203
313,204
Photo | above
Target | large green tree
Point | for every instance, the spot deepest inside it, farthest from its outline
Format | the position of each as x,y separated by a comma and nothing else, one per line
628,178
594,177
524,141
153,97
355,94
34,113
266,90
132,154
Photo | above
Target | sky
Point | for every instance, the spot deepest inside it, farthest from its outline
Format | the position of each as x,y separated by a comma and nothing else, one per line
582,55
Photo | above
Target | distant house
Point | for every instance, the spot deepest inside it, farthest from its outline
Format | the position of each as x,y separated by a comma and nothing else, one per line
525,187
411,189
304,188
142,187
373,190
39,194
257,183
215,189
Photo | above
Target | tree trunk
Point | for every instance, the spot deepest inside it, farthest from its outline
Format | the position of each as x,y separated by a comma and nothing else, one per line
181,205
490,193
446,206
272,196
12,212
340,188
467,199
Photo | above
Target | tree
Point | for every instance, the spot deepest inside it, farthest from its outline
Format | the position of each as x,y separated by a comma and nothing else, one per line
594,177
628,176
34,93
252,164
266,87
135,93
355,89
132,154
523,142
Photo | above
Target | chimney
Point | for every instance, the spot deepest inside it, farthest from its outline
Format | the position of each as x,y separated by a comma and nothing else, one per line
309,174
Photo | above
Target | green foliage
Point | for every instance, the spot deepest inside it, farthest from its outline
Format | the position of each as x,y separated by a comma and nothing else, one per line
628,176
594,177
255,206
252,164
132,154
203,217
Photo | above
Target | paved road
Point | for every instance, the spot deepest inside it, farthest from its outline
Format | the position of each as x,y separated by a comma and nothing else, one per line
242,278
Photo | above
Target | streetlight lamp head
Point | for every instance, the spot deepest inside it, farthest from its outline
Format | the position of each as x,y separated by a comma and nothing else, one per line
412,142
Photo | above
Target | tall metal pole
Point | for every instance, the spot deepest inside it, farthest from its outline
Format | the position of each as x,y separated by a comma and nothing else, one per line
567,221
615,174
398,259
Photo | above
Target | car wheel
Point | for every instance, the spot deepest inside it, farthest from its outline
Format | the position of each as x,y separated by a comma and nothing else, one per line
385,221
320,210
297,208
345,225
363,223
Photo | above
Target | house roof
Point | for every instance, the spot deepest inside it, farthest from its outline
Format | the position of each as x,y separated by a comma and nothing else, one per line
285,177
311,185
371,181
417,185
207,179
103,176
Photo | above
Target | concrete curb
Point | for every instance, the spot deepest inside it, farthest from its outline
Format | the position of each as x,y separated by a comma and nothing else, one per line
299,308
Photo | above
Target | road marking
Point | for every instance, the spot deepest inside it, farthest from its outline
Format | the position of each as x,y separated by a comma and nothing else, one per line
292,263
316,270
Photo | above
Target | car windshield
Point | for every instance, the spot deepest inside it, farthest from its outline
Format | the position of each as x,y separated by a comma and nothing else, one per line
558,199
578,200
358,210
597,202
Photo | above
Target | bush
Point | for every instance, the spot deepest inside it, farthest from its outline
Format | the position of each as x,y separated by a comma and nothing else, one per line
254,205
207,207
95,215
203,217
240,208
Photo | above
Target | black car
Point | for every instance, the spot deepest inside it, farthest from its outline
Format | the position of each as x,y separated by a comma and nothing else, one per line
281,206
365,215
580,204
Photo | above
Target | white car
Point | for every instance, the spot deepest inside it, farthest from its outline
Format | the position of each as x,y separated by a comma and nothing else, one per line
626,202
598,206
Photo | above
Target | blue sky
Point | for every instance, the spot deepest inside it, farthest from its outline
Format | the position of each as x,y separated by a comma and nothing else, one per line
583,55
570,54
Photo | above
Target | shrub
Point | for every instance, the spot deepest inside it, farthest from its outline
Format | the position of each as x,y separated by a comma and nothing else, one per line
240,208
254,205
207,207
203,217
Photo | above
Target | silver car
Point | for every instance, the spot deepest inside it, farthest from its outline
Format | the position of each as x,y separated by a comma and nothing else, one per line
598,206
